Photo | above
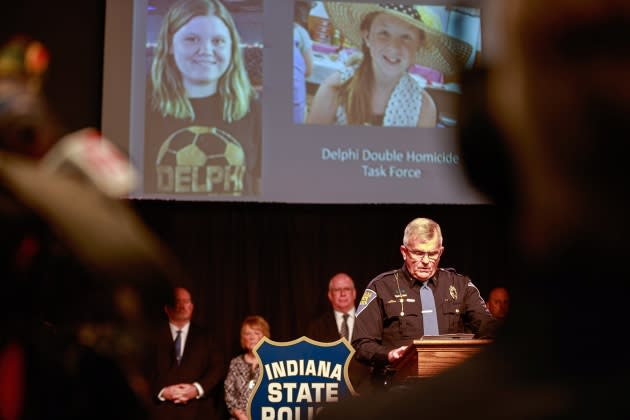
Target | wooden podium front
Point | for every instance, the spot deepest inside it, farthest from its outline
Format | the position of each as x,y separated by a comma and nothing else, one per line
427,357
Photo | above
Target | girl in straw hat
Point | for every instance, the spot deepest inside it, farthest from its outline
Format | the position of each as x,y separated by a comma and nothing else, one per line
379,90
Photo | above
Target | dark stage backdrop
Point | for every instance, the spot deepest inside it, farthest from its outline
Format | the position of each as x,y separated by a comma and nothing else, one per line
275,259
244,258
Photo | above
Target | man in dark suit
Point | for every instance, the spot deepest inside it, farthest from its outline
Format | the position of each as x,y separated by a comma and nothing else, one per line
186,367
329,326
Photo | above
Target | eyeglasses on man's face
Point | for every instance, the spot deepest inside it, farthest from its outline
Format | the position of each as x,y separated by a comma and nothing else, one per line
341,289
418,254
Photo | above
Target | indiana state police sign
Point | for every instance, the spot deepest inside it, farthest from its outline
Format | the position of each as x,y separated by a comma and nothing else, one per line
299,377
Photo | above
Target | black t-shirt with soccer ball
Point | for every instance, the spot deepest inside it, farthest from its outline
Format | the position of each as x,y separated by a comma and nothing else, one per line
206,156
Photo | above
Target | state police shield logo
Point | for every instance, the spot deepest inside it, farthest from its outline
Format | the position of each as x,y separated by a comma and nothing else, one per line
299,377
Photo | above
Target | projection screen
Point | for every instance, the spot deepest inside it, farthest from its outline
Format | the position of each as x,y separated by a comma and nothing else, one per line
226,106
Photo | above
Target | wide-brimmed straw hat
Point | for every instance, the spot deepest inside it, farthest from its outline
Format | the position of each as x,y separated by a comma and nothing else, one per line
441,52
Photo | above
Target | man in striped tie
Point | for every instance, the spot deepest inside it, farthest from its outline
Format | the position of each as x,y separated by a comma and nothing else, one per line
330,325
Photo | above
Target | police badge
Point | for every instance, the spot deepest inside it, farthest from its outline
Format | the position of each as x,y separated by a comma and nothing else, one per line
453,291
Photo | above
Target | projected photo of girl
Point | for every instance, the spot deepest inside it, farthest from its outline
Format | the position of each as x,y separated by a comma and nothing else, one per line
203,118
387,64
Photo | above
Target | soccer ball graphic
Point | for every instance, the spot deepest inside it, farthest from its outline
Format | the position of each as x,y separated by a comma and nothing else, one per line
201,146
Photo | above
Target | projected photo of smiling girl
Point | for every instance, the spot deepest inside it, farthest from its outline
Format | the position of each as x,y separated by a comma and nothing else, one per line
203,120
394,59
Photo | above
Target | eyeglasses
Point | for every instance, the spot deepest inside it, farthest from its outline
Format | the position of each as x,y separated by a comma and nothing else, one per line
418,255
341,289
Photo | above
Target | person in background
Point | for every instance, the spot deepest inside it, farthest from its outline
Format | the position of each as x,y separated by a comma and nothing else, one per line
185,367
302,58
199,90
329,326
419,299
244,369
498,302
380,90
551,109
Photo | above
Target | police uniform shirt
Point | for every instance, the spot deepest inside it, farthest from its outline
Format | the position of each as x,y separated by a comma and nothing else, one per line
390,313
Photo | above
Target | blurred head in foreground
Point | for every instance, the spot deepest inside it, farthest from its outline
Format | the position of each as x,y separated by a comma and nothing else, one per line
543,133
83,279
558,98
26,124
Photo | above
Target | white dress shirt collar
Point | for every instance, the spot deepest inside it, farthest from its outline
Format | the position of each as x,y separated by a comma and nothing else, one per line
184,330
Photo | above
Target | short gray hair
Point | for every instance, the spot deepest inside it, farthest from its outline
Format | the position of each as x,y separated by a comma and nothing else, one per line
422,229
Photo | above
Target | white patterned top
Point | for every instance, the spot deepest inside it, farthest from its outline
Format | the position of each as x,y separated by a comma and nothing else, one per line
239,383
403,106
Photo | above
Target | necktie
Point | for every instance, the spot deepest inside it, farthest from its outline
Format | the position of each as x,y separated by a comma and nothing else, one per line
178,347
429,317
345,331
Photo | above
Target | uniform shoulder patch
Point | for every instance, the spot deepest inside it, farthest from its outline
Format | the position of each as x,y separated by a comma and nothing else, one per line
368,296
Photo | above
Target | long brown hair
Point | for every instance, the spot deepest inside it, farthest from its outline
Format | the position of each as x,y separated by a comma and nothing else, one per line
355,94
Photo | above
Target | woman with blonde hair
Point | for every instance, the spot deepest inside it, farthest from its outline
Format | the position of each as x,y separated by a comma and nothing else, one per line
244,369
200,93
173,78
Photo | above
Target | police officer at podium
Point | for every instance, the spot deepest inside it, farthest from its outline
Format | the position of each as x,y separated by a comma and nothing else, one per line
419,299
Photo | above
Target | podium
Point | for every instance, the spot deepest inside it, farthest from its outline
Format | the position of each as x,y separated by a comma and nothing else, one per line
429,356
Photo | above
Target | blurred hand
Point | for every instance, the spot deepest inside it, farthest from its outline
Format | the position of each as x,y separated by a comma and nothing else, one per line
239,414
396,354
